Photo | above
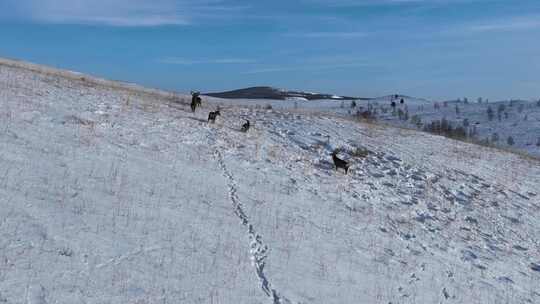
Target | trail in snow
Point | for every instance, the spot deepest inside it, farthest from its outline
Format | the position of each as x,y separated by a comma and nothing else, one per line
258,249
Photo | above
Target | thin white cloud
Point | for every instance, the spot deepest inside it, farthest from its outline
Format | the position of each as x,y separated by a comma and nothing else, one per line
500,25
359,3
122,13
185,61
271,70
323,35
233,61
118,21
125,13
310,68
337,59
523,23
223,8
318,63
356,3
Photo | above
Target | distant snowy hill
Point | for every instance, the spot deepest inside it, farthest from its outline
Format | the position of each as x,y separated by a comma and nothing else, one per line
112,193
512,124
398,97
274,93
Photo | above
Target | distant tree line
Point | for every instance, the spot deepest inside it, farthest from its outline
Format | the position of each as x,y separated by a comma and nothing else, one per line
445,128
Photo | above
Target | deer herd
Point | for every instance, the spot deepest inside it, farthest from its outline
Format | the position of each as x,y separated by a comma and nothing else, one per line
196,102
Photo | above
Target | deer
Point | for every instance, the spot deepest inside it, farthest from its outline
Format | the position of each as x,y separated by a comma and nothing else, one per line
212,116
245,127
195,100
339,163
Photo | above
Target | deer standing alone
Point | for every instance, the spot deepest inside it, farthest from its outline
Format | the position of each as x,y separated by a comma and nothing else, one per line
245,127
340,163
212,116
195,100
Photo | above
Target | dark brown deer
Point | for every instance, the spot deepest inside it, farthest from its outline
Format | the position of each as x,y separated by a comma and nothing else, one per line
212,116
339,163
195,100
245,127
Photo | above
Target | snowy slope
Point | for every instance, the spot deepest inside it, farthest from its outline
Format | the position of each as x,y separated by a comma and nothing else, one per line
111,195
519,120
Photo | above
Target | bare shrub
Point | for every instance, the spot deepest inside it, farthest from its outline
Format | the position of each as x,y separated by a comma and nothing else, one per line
360,152
79,121
67,252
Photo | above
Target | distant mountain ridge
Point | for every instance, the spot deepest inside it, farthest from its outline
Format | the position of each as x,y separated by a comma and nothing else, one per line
263,92
399,96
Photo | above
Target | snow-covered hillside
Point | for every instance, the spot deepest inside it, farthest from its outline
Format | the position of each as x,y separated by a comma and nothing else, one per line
509,124
110,194
512,125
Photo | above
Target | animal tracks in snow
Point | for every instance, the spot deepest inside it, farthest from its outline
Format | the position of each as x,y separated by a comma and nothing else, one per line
258,249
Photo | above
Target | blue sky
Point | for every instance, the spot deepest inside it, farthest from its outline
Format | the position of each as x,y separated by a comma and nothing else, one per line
427,48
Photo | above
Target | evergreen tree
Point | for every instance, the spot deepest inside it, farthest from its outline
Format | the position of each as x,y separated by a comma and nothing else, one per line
501,108
400,114
490,113
510,141
474,132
